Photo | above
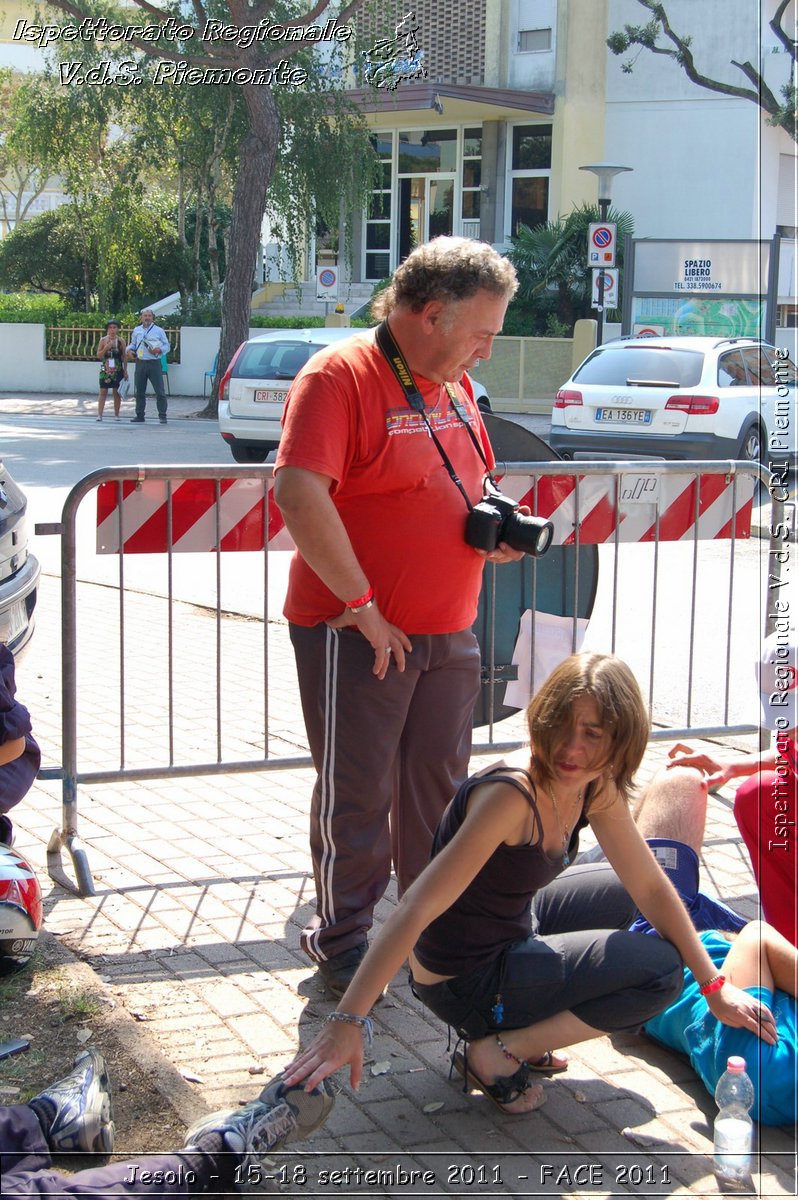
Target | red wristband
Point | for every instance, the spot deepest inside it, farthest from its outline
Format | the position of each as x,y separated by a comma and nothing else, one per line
712,985
361,601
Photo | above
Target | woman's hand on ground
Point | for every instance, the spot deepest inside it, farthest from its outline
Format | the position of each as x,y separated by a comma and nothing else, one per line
335,1045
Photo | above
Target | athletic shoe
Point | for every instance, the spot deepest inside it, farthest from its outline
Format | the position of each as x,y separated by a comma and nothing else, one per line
279,1115
339,971
162,420
136,420
75,1113
310,1109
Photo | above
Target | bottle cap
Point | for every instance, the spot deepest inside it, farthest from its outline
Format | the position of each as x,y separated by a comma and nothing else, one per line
735,1063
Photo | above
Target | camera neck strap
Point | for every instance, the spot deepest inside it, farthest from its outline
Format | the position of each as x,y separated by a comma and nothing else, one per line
404,377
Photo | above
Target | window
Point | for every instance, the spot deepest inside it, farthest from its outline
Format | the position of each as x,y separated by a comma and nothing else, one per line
534,40
472,173
425,152
530,161
378,217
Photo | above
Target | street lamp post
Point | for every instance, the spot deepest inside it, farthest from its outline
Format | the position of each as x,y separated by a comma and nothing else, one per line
606,172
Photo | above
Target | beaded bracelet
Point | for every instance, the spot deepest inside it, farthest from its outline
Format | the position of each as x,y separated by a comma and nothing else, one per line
365,1023
712,985
364,601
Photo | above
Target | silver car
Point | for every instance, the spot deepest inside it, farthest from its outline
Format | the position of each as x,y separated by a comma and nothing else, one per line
253,389
19,570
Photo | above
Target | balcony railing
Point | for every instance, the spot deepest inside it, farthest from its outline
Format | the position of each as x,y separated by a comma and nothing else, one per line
78,343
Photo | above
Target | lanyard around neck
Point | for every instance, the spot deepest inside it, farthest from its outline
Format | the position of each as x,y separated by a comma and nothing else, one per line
404,377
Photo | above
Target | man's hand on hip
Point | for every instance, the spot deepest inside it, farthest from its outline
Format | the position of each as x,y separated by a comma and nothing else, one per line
387,640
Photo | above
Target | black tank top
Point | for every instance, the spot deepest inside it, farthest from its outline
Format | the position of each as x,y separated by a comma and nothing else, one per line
495,909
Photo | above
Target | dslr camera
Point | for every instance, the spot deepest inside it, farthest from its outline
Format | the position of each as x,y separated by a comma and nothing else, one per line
496,519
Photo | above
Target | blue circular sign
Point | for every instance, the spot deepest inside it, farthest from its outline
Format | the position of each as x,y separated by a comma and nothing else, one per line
602,237
326,277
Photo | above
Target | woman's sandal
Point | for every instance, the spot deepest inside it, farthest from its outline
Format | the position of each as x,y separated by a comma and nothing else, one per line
505,1090
546,1064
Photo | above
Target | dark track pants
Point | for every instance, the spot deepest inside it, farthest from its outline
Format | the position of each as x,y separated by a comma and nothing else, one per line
397,747
582,959
149,370
26,1168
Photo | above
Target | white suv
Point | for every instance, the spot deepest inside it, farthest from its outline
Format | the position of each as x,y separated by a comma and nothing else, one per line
679,398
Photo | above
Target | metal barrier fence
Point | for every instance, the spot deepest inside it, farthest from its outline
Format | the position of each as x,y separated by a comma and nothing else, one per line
78,343
193,658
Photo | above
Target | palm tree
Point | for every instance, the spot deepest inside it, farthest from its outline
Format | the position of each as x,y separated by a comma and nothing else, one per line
552,257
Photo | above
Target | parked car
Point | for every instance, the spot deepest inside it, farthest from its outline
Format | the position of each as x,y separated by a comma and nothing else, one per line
19,570
677,398
253,389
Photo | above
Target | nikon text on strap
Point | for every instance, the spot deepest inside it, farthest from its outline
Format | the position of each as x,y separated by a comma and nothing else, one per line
404,377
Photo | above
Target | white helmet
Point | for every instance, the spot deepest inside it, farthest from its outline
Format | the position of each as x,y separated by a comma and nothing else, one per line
20,910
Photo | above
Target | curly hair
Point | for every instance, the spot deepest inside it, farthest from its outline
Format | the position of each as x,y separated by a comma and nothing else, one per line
610,683
447,269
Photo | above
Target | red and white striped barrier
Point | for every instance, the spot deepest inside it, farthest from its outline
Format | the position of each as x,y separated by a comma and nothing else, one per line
626,506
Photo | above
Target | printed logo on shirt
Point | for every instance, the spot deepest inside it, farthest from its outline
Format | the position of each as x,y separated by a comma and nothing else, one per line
405,420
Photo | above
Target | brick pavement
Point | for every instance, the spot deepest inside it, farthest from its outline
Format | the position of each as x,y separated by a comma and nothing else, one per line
203,885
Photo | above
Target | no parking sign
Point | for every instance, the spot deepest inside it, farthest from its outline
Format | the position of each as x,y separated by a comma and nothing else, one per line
327,283
602,237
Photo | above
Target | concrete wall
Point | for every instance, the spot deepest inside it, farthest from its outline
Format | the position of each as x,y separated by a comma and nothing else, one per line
24,367
523,374
521,371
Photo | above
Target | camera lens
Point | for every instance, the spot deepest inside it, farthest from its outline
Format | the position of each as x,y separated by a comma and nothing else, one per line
531,535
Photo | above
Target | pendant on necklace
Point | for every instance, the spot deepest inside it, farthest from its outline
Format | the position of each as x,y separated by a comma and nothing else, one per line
566,858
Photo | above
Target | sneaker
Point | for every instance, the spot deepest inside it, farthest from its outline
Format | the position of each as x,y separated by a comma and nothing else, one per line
279,1115
310,1109
76,1113
339,971
162,420
136,420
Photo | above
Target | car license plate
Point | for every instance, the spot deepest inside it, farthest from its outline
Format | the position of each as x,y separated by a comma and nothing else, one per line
267,396
624,416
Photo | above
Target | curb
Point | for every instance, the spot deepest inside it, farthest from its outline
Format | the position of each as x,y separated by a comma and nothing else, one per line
133,1039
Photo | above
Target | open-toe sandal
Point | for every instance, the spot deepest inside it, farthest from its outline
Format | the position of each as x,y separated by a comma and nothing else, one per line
546,1064
503,1091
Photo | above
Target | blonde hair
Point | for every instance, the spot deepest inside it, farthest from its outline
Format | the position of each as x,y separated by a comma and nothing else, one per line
446,269
610,683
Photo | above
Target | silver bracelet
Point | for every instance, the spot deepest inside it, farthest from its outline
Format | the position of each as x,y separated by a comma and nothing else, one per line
365,1023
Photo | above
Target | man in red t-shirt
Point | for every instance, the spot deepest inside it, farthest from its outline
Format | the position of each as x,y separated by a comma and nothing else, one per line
766,804
383,588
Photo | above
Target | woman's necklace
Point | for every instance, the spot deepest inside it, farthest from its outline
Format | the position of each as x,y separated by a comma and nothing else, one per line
563,832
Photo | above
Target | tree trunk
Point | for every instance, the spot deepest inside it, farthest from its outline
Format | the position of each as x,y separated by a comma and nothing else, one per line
256,162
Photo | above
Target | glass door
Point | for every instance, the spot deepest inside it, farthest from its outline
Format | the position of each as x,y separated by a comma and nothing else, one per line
426,204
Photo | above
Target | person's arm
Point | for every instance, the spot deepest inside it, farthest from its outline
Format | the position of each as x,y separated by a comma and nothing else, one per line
659,902
497,812
101,348
11,749
164,340
131,350
719,773
312,519
123,356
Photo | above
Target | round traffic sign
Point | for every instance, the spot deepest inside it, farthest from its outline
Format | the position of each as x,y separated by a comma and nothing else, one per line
326,277
602,237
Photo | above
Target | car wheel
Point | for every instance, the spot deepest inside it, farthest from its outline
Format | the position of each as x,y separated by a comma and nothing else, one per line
751,445
249,454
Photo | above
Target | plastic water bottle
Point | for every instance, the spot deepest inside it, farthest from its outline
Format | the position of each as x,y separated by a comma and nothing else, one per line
733,1126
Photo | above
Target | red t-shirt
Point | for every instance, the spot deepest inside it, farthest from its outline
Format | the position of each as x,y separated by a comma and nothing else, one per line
347,417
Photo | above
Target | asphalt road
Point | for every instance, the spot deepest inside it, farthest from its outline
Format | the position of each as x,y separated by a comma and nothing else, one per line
48,453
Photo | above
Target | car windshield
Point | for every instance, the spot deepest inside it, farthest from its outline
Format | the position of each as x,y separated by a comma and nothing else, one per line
273,360
622,366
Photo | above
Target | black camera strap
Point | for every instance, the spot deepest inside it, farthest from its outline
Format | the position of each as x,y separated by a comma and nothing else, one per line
404,377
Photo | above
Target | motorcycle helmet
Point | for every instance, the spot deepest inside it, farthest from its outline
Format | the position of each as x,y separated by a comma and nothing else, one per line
20,911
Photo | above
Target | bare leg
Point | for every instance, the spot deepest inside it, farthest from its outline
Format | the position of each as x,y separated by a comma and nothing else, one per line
762,957
674,805
489,1062
101,403
117,402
